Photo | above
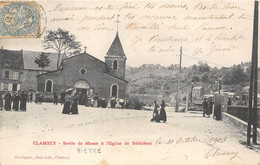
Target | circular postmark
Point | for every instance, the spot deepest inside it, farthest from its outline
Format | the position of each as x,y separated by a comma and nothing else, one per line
21,20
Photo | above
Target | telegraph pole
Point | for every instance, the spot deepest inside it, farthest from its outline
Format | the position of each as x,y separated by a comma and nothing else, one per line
252,108
179,79
255,54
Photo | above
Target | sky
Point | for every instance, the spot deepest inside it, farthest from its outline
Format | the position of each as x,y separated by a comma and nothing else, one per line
218,32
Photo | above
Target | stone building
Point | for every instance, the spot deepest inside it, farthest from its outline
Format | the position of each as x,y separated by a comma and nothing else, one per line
87,74
18,70
11,65
198,92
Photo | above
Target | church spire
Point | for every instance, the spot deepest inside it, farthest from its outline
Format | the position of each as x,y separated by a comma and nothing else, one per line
117,21
116,49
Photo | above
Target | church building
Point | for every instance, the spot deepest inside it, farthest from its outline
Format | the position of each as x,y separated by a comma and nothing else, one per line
87,74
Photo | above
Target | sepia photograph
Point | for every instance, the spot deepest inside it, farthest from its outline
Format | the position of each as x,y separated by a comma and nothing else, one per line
129,82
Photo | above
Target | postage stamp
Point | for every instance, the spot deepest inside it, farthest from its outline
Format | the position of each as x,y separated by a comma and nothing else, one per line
20,20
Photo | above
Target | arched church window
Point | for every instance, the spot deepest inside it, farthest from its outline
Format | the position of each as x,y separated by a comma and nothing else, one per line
48,85
114,90
115,64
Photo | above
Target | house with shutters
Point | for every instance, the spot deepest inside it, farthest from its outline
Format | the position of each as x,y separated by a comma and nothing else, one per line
11,65
18,70
89,75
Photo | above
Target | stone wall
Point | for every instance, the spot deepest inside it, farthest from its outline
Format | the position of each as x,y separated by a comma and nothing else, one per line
29,79
241,112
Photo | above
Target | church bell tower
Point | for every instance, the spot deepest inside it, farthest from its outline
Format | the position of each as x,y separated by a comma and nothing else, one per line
115,57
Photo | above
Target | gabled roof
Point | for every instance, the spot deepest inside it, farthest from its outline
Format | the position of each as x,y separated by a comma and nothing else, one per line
116,77
29,57
22,59
85,54
11,59
116,48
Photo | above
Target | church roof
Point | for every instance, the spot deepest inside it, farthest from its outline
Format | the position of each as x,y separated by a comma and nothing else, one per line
89,56
102,65
11,59
116,48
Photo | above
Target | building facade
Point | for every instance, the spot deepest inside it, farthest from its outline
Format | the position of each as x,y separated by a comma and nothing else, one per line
11,65
18,70
89,75
198,92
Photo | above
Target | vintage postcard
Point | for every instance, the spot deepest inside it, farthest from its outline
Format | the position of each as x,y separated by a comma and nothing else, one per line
129,82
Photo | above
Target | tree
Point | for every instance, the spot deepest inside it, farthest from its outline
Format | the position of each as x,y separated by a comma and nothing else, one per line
205,78
195,78
42,60
235,75
134,103
142,90
62,42
203,67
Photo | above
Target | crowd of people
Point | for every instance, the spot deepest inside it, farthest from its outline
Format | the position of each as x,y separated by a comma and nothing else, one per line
70,102
70,99
13,100
159,116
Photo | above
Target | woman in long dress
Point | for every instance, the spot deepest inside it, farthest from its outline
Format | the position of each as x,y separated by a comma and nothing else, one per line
163,116
1,101
7,101
74,105
16,101
23,100
67,103
155,113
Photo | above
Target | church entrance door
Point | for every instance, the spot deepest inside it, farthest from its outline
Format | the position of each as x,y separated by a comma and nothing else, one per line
82,90
82,87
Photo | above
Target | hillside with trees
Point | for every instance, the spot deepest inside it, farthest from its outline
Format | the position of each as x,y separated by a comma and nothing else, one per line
149,81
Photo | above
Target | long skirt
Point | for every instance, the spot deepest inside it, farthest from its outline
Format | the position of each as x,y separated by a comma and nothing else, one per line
16,105
163,115
156,118
74,108
23,105
66,108
210,109
7,105
1,102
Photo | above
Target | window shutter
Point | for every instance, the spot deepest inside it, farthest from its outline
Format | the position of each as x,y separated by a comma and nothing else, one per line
17,75
117,65
18,87
10,75
10,87
112,64
3,74
2,86
14,75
